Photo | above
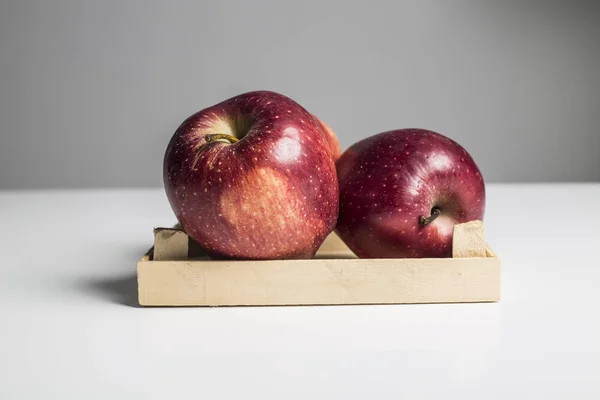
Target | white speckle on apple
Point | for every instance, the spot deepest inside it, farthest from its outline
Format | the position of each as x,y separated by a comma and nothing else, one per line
440,162
287,149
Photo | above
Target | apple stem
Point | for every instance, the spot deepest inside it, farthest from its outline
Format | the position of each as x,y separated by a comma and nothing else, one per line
435,212
213,137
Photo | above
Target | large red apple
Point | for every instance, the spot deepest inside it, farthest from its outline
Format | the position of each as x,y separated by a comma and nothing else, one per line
253,177
402,192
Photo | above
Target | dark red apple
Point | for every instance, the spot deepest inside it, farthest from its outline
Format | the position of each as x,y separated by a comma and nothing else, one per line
253,178
402,192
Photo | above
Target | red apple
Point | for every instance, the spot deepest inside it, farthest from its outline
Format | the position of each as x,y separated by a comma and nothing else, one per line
402,192
253,178
334,143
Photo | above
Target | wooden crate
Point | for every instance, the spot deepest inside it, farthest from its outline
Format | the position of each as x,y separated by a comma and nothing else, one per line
175,273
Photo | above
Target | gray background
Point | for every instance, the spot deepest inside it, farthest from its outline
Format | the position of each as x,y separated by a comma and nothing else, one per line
91,91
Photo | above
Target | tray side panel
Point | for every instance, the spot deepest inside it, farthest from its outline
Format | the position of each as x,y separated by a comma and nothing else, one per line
468,240
170,244
318,281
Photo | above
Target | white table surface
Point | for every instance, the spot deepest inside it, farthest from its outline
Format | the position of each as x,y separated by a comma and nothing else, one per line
70,326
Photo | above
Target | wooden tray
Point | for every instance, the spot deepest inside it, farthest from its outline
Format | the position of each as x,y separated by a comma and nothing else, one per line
175,273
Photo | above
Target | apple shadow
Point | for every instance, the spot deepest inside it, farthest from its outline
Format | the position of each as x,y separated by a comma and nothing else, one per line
120,290
116,288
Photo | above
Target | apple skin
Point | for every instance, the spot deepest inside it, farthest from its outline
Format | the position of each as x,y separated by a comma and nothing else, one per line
334,143
271,195
390,180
